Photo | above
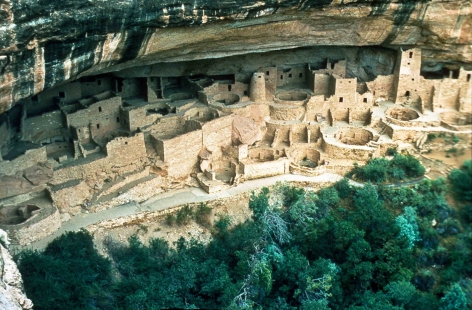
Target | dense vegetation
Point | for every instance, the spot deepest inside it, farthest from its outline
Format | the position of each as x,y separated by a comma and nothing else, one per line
342,248
380,169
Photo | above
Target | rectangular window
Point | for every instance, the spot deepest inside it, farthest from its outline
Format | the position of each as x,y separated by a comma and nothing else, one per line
267,72
99,82
365,99
229,87
407,93
300,75
98,126
281,77
99,109
340,99
117,119
290,75
411,54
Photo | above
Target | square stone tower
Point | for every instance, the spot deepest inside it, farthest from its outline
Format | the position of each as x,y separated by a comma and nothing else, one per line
407,76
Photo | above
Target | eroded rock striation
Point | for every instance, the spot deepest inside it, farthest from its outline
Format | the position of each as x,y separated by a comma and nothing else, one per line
12,295
46,43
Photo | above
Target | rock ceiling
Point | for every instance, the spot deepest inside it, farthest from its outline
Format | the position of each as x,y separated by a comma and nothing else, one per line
45,43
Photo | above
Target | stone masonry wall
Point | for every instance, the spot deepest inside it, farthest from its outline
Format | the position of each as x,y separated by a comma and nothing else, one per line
101,115
123,150
217,133
382,87
181,153
42,127
168,126
255,170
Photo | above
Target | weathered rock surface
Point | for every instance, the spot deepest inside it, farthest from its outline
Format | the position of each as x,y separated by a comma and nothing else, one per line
12,295
245,131
45,43
38,174
13,185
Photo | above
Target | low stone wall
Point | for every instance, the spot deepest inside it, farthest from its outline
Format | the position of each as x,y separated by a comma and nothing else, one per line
256,170
35,228
338,150
456,127
313,172
412,123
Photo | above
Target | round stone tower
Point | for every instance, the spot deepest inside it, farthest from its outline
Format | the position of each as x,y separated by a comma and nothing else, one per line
257,87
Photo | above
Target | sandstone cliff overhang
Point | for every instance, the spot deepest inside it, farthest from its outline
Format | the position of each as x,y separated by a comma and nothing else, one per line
43,45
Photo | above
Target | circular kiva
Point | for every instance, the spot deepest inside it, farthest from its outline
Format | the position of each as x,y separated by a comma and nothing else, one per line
354,136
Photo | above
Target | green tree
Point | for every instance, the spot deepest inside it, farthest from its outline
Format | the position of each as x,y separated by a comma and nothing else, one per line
343,188
408,226
454,299
461,181
328,196
70,274
400,292
375,171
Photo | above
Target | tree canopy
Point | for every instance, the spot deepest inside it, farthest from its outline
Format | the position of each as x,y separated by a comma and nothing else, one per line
371,247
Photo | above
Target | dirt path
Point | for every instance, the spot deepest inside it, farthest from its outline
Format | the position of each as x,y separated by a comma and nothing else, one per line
172,199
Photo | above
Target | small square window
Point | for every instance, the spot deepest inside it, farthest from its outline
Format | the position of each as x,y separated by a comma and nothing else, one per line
365,100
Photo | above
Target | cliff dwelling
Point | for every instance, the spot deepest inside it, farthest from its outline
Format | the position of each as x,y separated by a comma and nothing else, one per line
78,146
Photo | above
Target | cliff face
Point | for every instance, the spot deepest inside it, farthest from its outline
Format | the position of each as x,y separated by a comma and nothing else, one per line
12,295
44,43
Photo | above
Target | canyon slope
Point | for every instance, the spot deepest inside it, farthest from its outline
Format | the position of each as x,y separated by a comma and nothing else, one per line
46,43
